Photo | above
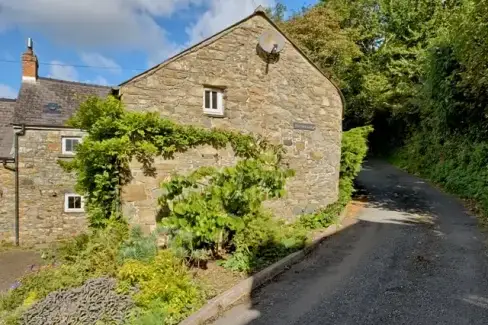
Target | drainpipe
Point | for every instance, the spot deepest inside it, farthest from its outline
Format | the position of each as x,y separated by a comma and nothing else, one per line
16,157
15,169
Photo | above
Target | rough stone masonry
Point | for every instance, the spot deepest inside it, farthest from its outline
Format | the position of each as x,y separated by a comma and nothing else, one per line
293,91
293,104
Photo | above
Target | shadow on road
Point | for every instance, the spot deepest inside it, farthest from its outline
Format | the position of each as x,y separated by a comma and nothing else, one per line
392,264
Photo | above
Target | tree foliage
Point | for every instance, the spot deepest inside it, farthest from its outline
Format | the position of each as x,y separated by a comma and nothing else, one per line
421,79
449,144
374,50
318,32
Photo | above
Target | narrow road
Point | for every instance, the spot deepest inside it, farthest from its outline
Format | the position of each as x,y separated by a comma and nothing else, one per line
413,256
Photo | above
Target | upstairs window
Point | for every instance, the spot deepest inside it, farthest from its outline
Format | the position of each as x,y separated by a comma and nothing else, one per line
213,102
73,203
70,144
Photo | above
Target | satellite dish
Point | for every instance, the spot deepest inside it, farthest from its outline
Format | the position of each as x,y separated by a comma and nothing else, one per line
272,42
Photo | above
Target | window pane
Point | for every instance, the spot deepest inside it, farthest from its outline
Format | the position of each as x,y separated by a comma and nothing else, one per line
214,100
207,99
71,202
77,202
69,145
75,143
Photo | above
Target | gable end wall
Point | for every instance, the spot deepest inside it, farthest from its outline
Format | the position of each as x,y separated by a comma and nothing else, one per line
260,103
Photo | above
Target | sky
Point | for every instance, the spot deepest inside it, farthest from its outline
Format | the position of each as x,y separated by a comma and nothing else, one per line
121,38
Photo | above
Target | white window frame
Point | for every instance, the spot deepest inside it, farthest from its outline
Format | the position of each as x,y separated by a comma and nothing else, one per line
63,145
66,200
215,111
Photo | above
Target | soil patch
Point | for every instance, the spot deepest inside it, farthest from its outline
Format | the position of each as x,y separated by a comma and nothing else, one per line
14,264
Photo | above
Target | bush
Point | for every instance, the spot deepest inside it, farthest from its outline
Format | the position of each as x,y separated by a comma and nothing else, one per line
88,256
262,241
353,151
164,287
139,246
206,209
459,165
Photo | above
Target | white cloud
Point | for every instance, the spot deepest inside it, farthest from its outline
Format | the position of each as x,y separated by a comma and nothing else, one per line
99,80
63,72
89,24
162,55
92,26
221,14
98,60
7,91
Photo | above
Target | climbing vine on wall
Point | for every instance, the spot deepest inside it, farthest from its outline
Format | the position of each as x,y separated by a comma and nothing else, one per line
116,136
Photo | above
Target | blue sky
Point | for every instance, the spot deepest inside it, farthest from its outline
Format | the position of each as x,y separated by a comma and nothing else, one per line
123,36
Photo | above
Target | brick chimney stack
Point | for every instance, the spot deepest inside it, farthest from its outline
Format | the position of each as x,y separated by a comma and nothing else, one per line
30,65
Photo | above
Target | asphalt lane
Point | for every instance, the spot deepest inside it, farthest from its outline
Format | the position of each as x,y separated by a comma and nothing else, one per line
413,255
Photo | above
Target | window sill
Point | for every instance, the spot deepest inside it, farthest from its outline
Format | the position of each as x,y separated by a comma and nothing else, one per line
74,211
212,114
65,155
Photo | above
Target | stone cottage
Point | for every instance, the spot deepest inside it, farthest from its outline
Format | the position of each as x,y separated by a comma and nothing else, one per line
33,137
226,81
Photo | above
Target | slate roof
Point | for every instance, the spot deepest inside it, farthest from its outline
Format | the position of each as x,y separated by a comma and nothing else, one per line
7,107
51,102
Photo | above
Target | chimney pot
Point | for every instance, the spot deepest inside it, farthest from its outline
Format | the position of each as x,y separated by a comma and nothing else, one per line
30,65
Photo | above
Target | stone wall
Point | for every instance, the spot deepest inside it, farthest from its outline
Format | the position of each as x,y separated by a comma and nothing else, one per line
43,184
256,102
7,194
7,204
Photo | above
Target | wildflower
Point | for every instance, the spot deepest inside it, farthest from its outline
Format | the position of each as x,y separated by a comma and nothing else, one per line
15,285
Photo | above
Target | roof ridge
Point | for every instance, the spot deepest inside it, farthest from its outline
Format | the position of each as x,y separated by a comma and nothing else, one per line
74,83
4,99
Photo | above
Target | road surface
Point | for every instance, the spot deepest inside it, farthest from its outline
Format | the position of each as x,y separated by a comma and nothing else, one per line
413,256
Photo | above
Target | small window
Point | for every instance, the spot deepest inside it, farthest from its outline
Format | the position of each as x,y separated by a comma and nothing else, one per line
73,203
70,144
213,102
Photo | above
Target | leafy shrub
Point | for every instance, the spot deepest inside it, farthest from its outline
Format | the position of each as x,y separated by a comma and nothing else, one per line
97,257
152,316
353,151
68,250
457,164
262,241
329,215
164,286
139,246
206,209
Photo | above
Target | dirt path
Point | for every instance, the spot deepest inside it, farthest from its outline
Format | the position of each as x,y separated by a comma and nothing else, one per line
13,264
412,256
